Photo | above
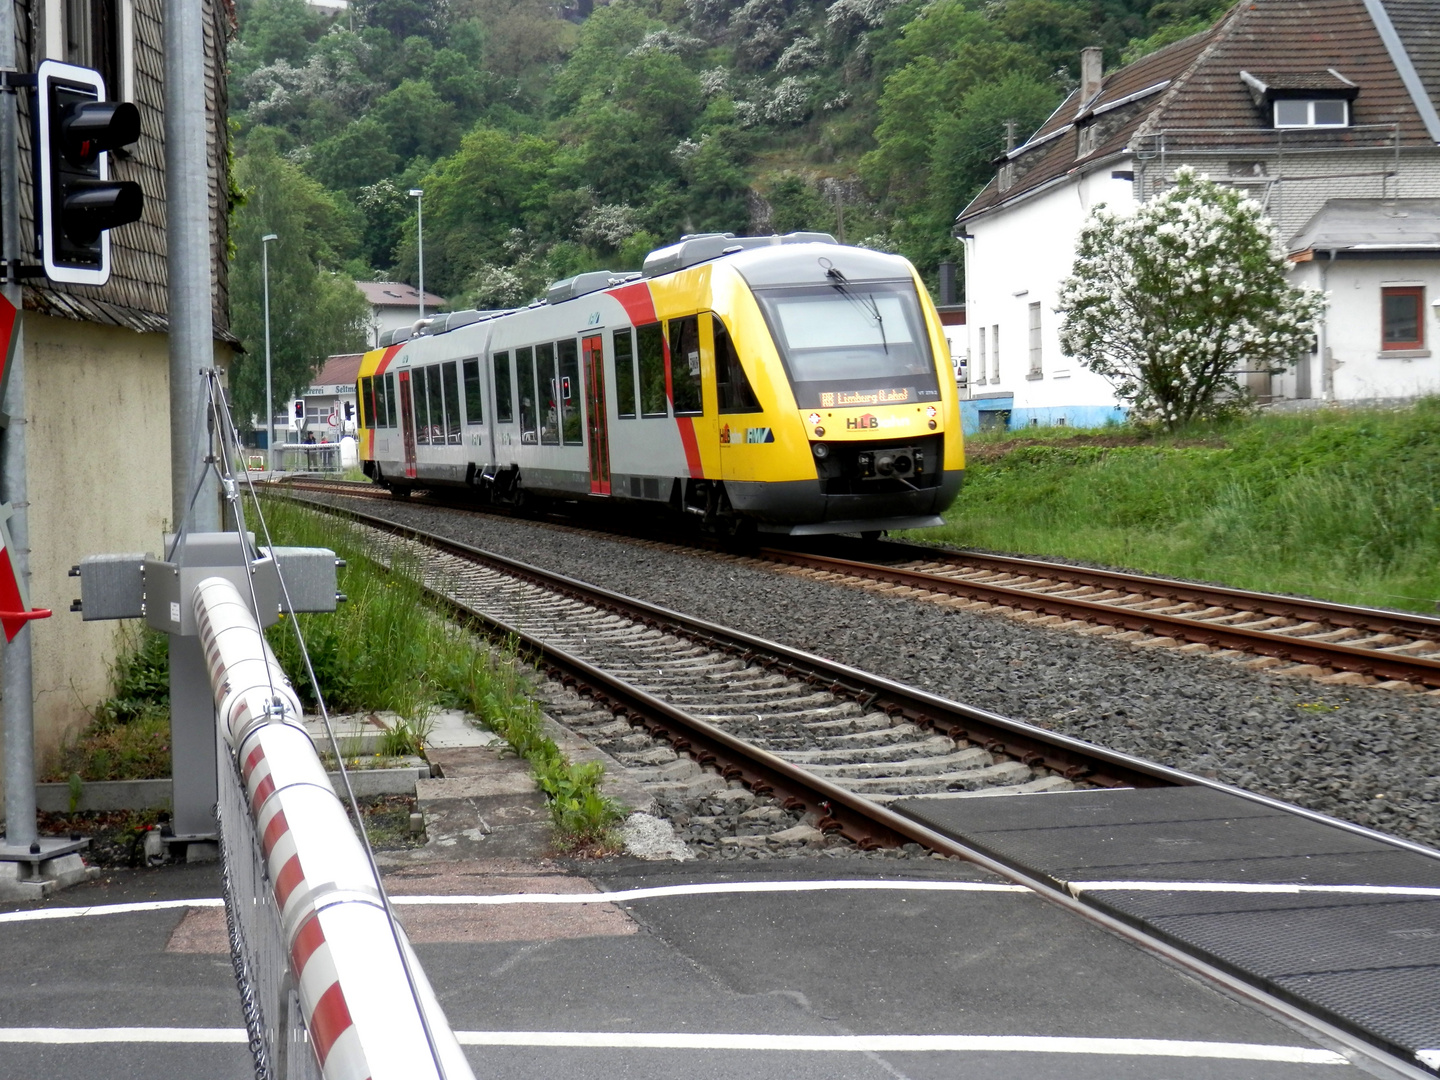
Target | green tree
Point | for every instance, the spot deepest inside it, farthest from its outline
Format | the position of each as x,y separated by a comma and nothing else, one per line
492,184
1171,302
315,312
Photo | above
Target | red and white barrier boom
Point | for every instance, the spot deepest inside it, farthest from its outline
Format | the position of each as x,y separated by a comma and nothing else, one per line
344,964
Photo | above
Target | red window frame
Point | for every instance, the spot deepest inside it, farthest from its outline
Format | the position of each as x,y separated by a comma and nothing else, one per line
1417,293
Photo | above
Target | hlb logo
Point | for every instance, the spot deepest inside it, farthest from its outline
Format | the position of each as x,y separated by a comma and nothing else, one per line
865,422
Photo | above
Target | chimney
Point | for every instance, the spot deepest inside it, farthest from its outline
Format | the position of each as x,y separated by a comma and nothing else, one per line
947,283
1092,71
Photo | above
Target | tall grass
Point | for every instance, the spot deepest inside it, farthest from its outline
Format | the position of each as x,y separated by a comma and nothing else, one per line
1343,505
386,648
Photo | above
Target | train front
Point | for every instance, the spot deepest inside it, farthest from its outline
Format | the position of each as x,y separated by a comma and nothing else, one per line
873,392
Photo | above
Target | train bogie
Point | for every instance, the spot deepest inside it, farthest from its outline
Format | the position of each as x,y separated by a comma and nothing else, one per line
788,382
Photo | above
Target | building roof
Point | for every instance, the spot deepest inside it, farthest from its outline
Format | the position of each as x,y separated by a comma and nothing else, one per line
1372,225
339,369
397,294
1194,91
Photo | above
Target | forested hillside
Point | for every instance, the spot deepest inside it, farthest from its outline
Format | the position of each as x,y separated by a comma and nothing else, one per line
550,140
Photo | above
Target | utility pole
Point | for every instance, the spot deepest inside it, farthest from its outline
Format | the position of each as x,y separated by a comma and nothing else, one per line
19,693
192,349
187,242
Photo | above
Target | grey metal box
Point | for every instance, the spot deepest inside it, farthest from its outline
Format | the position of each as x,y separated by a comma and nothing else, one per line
309,575
112,586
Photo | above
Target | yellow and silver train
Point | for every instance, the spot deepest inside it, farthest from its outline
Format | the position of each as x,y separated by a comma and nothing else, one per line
785,381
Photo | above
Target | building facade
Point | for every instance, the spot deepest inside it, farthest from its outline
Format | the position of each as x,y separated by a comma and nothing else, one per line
97,358
395,306
1301,104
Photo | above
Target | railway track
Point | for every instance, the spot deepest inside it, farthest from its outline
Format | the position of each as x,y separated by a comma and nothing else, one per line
1334,643
690,706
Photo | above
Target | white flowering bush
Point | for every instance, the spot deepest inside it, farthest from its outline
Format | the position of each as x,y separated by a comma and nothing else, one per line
608,226
804,52
789,102
1174,301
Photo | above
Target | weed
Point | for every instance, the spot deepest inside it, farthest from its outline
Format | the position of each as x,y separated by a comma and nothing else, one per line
387,649
1316,707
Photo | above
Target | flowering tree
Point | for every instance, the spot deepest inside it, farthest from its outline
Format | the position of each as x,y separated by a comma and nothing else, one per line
1172,302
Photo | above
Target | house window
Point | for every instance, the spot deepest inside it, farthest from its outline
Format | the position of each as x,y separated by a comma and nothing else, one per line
1311,112
1402,318
95,34
980,351
994,352
1035,365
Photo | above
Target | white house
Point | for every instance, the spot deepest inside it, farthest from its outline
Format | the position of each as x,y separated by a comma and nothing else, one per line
1312,107
394,305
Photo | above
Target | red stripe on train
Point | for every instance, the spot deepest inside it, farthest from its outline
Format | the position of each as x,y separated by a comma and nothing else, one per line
639,305
381,367
692,446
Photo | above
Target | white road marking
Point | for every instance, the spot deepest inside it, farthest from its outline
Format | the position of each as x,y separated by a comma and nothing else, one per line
1029,1044
41,914
715,889
684,1040
124,1035
1078,887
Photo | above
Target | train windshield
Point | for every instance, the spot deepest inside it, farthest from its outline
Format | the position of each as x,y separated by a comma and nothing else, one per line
852,343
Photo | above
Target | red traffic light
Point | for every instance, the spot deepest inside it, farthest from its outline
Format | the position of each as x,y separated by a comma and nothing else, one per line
89,129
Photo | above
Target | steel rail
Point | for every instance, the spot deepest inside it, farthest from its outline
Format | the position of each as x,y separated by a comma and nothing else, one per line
1261,642
1377,620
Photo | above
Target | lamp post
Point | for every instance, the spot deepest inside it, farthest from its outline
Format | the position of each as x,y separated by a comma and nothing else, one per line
269,400
418,194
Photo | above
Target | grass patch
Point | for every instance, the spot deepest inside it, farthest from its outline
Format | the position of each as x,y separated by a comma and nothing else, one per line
128,737
1338,504
386,649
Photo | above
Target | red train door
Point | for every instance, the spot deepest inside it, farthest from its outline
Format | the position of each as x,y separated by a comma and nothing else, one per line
407,422
592,348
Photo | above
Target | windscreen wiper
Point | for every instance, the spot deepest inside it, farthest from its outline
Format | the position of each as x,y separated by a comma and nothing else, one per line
867,305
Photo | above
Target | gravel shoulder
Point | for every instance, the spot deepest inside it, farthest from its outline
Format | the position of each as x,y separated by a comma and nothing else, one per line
1364,755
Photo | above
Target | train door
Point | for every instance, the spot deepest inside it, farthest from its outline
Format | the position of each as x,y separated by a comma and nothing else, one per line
407,422
592,349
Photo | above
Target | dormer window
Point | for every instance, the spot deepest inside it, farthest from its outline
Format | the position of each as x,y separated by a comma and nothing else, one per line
1311,112
1302,99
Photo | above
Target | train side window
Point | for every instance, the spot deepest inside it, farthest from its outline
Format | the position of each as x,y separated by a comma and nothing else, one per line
572,426
392,402
452,402
549,387
504,404
625,373
651,340
420,402
529,411
731,383
435,392
367,405
685,365
474,409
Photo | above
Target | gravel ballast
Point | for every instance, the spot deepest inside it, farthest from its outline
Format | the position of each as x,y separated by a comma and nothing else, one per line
1365,755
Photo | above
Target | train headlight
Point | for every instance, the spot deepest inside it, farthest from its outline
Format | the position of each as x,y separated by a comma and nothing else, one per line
819,432
933,425
820,450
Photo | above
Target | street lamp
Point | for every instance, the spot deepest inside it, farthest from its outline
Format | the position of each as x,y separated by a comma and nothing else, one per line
269,401
418,194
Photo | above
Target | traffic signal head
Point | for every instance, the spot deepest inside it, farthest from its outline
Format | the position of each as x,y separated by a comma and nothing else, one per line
76,202
299,409
349,410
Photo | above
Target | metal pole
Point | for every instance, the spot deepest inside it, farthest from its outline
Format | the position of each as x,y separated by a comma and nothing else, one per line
269,400
18,686
187,241
419,196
